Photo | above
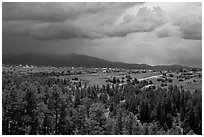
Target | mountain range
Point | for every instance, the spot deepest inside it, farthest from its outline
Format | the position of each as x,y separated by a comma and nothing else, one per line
73,59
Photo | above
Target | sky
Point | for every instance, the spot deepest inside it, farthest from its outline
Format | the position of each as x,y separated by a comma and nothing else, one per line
150,33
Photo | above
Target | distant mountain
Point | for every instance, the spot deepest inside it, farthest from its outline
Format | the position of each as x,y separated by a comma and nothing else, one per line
45,59
170,67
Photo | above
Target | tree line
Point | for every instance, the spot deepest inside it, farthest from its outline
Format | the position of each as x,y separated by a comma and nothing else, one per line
52,106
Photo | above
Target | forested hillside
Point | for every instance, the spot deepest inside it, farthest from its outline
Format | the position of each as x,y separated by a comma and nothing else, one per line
47,106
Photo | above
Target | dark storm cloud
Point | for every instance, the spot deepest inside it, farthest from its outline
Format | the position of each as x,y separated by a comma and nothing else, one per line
97,20
73,20
139,33
58,11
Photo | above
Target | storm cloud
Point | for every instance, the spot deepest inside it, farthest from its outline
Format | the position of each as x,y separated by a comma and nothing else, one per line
96,20
152,33
58,12
73,20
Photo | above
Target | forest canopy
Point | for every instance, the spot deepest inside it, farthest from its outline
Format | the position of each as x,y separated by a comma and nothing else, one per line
49,105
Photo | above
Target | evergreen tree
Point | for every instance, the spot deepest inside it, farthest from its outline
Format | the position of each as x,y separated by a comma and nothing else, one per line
54,104
31,108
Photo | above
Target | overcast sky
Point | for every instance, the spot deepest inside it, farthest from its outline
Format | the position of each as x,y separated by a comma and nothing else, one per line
151,33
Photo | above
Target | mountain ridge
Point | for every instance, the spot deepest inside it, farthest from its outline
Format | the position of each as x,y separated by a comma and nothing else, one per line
74,59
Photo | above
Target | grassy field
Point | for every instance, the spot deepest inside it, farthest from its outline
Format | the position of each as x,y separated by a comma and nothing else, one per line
186,84
100,79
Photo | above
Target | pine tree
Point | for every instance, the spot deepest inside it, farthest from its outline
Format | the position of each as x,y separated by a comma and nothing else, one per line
144,112
119,125
31,108
54,103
